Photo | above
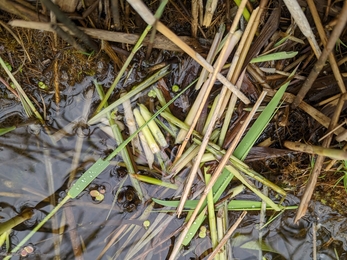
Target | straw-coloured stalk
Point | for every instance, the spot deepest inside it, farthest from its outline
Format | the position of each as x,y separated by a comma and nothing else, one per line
211,55
209,11
227,236
313,149
203,94
322,35
246,13
234,72
341,22
214,178
301,20
158,135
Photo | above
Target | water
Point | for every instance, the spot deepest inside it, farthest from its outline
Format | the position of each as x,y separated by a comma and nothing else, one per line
35,173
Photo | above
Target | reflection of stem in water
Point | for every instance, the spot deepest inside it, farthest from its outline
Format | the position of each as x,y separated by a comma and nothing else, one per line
51,192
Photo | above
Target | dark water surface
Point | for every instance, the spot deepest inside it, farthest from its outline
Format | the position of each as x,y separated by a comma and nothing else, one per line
35,170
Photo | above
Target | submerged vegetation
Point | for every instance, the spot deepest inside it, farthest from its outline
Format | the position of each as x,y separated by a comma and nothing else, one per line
167,146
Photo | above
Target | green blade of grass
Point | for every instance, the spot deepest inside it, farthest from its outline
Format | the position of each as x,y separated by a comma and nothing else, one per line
245,13
154,181
6,130
232,205
275,56
87,177
259,125
195,227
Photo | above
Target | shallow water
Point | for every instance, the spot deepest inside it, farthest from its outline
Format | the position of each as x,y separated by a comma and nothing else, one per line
35,170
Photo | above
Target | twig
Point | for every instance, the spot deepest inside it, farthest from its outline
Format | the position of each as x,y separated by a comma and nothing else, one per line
160,42
227,235
66,20
322,59
195,15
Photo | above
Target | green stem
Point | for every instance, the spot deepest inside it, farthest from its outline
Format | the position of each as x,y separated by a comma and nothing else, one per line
211,213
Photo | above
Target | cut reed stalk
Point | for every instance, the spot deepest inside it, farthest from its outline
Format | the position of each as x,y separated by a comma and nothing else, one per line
210,7
146,132
156,132
140,87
